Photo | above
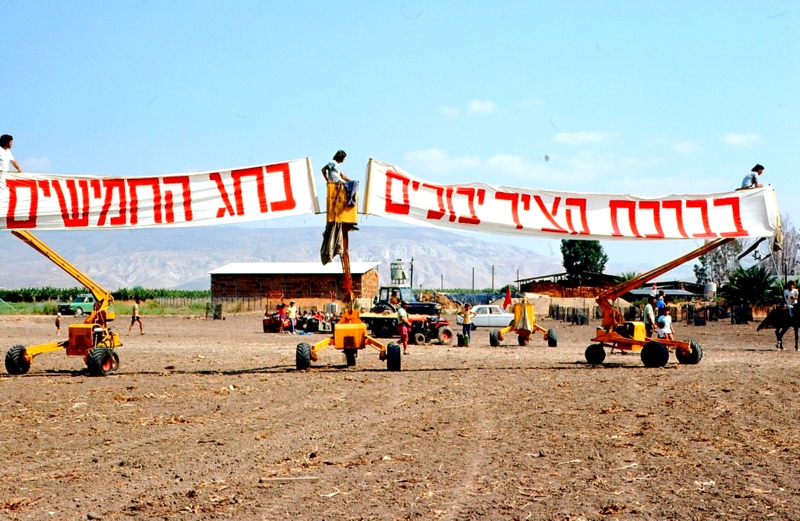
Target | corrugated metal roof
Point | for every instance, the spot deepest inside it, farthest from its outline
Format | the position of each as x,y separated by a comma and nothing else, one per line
291,268
667,292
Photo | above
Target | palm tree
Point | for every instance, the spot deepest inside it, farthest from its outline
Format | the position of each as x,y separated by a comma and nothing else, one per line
750,287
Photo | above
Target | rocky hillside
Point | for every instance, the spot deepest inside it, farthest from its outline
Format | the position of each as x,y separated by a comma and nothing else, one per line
182,257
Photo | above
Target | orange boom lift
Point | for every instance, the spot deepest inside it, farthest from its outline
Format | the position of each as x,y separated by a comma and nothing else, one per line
616,333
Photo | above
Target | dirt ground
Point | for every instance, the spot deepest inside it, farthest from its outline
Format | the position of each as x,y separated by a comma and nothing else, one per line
210,420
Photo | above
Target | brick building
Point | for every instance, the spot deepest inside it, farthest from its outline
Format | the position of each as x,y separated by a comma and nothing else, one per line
262,284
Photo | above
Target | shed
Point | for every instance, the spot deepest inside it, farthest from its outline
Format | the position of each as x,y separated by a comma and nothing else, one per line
310,284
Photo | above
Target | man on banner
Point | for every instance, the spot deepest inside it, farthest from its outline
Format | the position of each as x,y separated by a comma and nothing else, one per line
6,158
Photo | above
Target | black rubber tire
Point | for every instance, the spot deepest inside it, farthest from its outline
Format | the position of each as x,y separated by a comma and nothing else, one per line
78,312
386,328
655,354
552,338
303,356
393,357
690,358
523,340
350,356
15,360
100,361
494,338
445,336
383,308
595,354
460,340
418,338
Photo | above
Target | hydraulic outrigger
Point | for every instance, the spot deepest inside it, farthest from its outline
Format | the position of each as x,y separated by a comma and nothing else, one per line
616,333
92,339
349,333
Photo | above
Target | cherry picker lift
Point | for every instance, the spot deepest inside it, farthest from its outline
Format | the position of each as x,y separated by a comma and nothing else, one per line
92,339
618,334
349,333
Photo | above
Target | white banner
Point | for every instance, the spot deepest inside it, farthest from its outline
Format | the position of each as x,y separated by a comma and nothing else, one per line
394,193
57,202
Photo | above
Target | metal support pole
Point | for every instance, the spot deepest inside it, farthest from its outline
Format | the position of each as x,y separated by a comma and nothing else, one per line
492,278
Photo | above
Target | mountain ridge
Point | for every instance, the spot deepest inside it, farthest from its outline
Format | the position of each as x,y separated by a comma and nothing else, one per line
180,258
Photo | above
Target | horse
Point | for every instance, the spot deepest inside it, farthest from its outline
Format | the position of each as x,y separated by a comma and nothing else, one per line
779,319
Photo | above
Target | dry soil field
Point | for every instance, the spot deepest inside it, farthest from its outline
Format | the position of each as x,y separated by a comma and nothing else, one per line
209,420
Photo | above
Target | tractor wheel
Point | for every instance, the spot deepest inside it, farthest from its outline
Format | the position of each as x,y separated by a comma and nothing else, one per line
552,339
114,360
445,336
350,355
418,338
386,329
303,356
523,340
100,361
655,354
494,338
595,354
15,360
685,357
385,309
393,357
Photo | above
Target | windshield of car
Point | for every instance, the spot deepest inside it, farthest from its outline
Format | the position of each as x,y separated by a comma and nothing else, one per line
83,298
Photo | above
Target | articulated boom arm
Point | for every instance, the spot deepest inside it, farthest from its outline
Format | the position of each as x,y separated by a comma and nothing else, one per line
611,317
100,295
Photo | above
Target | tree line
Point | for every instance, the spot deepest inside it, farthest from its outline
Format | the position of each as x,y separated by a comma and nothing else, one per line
49,293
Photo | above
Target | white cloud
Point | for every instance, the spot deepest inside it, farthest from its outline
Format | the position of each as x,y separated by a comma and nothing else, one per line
642,162
741,140
497,169
687,147
37,165
450,112
481,107
437,161
583,137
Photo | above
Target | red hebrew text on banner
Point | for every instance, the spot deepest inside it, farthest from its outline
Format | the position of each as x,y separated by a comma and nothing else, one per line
396,194
52,202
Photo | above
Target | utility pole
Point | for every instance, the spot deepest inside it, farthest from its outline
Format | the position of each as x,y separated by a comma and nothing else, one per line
492,278
412,272
441,288
473,278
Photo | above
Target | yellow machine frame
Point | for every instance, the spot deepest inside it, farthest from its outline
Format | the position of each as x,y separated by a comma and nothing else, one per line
83,338
350,333
618,334
524,324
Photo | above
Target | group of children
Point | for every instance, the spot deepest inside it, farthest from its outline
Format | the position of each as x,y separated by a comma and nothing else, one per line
662,324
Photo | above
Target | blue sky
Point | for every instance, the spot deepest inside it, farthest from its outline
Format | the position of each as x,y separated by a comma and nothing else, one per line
627,97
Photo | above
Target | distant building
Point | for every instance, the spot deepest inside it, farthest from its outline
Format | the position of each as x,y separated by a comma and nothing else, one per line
310,284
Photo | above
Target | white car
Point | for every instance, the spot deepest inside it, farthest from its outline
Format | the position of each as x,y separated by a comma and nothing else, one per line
489,316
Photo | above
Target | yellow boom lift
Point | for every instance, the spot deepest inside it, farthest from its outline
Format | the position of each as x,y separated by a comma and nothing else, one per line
616,333
349,333
524,325
92,339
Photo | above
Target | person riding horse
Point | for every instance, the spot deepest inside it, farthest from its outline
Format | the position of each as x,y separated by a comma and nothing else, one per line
780,319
